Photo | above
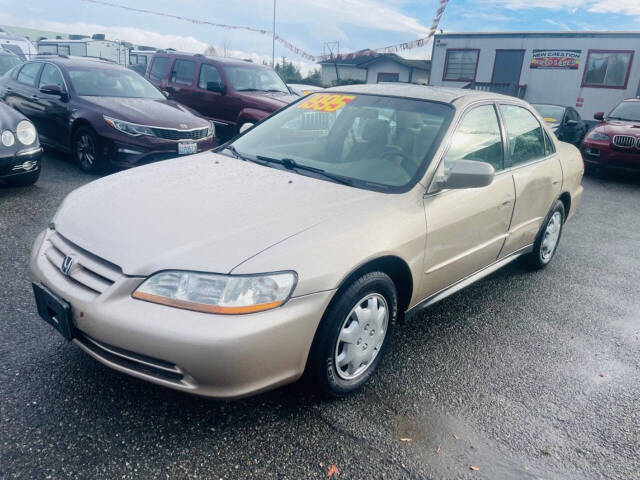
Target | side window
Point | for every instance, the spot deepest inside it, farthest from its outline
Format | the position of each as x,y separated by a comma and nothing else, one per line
51,76
208,74
28,73
549,147
478,138
159,68
526,140
182,72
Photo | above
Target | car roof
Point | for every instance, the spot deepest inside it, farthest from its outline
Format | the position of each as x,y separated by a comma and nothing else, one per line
70,61
421,92
222,60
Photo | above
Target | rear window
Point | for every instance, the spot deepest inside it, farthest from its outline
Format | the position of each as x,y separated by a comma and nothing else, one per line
159,68
183,71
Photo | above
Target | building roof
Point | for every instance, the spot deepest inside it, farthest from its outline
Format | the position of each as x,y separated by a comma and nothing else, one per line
367,59
542,34
420,92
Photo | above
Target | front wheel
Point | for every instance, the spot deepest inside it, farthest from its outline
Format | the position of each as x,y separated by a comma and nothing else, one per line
353,335
548,238
86,150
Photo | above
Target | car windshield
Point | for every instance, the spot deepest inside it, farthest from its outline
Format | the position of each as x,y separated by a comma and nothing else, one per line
247,78
7,62
550,113
103,82
626,111
369,141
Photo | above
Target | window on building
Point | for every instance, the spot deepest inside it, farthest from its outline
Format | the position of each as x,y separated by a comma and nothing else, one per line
64,50
607,68
388,77
44,48
159,68
525,134
183,71
460,65
478,138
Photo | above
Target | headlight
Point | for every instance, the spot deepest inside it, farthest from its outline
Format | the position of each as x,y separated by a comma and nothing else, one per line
26,132
594,135
212,130
7,138
214,293
128,127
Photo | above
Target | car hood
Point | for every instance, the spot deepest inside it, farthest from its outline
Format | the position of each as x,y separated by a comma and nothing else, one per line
269,101
621,127
205,212
147,111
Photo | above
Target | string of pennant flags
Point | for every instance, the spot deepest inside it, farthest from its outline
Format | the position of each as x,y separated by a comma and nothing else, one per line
400,47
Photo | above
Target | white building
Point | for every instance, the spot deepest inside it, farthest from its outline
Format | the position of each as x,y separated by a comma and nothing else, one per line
591,71
375,68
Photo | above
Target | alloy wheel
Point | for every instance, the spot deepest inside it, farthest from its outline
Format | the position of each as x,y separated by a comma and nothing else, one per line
86,151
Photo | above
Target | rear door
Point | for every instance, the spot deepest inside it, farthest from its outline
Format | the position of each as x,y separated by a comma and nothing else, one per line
23,93
466,228
536,172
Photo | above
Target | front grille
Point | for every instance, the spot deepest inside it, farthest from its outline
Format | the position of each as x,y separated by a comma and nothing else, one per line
88,270
175,134
153,367
624,141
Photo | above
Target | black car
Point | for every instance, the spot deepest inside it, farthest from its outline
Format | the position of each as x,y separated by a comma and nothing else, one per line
7,61
564,121
19,148
104,114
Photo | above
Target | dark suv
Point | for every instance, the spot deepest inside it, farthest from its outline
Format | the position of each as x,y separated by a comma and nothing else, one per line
232,93
102,113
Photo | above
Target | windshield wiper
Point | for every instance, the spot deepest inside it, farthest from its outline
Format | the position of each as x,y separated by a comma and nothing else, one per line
236,153
291,164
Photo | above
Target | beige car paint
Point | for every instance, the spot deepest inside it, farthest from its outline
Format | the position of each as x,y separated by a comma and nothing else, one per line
213,213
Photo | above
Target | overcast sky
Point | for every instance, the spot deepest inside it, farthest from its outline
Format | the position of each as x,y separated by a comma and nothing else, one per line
356,24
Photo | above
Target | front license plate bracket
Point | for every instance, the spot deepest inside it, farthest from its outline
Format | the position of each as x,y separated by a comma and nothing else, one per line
54,310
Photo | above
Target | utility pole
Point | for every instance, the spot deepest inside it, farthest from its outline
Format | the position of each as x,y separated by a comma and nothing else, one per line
273,38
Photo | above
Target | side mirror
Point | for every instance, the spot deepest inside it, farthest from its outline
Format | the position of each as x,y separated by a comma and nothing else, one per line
53,90
571,123
216,87
599,116
469,174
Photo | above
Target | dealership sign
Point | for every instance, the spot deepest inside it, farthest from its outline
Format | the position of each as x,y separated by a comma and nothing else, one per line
559,59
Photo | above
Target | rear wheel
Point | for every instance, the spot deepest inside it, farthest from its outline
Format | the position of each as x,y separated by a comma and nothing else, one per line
24,180
548,238
86,150
353,335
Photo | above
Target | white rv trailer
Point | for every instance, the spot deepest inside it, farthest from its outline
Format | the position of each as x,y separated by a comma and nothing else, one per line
19,46
96,46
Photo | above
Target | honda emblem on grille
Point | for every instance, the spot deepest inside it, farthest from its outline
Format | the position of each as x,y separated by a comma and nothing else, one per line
67,263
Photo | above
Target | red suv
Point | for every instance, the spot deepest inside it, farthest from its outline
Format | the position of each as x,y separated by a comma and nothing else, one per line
232,93
615,141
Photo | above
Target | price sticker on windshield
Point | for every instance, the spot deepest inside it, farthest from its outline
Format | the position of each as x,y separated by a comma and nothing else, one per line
326,102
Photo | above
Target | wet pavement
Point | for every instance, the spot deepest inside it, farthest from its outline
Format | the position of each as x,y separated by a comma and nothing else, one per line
522,375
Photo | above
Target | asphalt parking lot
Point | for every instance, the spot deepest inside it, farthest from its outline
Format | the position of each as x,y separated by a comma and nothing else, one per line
523,375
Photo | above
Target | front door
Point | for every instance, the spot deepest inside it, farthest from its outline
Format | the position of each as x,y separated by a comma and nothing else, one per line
537,175
506,71
52,118
466,228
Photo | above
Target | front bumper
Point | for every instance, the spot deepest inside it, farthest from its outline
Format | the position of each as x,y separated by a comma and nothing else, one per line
19,162
125,151
604,154
219,356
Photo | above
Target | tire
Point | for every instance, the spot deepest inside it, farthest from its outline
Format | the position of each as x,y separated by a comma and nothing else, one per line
546,244
372,292
24,180
86,150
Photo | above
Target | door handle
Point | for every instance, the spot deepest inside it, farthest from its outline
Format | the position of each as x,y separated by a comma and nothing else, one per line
35,97
555,182
505,204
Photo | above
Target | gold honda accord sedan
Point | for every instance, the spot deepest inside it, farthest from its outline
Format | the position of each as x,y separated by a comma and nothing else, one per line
295,248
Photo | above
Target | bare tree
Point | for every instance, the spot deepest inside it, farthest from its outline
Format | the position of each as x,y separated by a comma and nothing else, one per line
211,51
